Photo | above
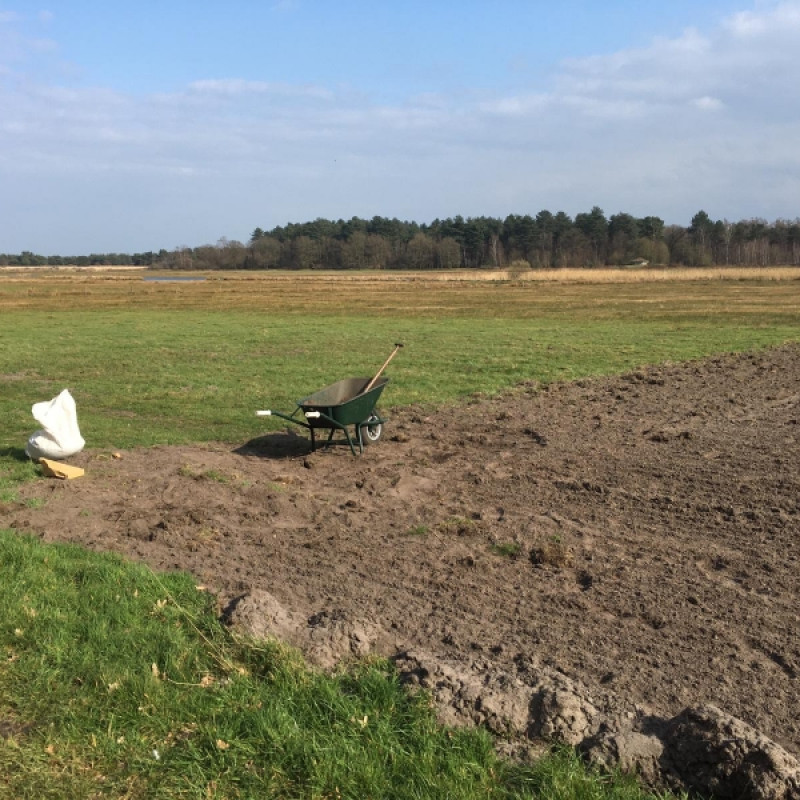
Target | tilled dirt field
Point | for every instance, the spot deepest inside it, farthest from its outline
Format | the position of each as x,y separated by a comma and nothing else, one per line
638,535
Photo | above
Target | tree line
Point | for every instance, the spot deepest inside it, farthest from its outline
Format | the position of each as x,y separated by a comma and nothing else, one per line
547,240
29,259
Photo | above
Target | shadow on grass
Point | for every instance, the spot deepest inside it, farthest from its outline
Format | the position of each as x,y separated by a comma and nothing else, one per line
14,453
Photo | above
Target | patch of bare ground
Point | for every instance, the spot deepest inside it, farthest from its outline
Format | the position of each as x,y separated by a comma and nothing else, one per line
607,562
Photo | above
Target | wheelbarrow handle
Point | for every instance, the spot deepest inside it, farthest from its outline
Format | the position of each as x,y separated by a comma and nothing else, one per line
282,416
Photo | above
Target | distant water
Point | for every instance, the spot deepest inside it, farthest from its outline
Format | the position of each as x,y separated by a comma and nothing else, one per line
172,279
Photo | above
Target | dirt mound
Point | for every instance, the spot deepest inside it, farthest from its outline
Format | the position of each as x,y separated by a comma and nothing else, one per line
326,637
635,535
701,749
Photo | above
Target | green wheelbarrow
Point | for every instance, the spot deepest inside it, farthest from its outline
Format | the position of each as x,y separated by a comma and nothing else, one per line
344,404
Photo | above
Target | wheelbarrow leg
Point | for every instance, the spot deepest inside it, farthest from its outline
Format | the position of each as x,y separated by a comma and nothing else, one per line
350,440
360,438
313,440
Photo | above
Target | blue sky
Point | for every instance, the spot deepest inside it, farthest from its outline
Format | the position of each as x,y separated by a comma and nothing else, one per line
137,126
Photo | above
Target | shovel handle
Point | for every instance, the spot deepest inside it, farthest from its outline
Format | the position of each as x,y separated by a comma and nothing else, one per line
397,346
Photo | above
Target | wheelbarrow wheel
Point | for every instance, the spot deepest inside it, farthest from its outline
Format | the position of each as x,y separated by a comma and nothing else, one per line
371,430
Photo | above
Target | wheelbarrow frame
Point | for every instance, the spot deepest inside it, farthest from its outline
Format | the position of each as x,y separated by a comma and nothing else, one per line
342,404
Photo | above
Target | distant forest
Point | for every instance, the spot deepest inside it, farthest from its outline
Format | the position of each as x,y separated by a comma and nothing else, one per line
546,240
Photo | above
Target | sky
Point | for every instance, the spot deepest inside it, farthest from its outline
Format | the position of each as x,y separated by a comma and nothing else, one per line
128,127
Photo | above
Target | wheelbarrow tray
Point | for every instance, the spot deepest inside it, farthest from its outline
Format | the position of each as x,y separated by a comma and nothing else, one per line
344,402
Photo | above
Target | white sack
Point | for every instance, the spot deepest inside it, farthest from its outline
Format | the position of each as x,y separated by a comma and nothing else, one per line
59,436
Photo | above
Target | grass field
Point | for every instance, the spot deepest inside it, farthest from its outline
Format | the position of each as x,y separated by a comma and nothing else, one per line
117,682
165,363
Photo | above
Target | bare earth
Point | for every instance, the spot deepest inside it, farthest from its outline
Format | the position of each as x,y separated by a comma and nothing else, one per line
638,535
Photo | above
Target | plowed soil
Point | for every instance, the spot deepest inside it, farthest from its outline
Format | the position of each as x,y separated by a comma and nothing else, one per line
638,533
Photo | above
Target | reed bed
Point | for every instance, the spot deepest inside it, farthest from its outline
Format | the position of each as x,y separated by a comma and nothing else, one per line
560,275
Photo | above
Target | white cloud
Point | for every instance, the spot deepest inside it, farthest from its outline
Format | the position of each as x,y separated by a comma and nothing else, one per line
18,49
707,103
516,105
752,24
285,6
236,87
746,23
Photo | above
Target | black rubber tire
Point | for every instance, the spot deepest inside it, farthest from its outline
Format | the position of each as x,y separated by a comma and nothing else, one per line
371,430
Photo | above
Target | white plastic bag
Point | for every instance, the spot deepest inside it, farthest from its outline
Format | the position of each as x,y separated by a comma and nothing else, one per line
59,436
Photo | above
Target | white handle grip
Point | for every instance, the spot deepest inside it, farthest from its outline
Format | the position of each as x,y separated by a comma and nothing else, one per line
266,413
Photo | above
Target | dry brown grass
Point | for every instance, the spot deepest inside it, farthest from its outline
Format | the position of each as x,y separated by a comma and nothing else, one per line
459,292
561,275
553,553
659,274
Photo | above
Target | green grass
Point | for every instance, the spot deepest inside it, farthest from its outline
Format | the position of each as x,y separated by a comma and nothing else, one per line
506,549
158,377
117,682
15,468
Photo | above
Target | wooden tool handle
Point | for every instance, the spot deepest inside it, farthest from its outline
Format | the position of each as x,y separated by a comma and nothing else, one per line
397,346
